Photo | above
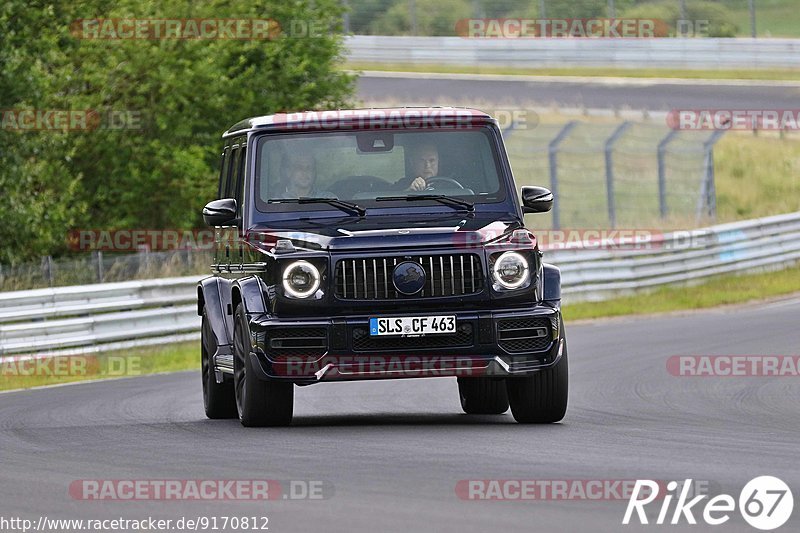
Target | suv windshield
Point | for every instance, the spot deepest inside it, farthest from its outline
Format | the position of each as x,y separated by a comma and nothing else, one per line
369,167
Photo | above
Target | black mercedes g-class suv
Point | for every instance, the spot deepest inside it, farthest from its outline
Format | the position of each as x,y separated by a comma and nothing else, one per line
377,243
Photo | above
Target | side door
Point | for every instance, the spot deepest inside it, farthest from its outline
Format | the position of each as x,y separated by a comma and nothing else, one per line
227,237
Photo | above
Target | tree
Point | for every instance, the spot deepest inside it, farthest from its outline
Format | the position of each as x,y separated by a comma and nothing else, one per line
181,94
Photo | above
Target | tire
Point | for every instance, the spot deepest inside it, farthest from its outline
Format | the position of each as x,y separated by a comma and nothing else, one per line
540,398
218,398
483,396
259,403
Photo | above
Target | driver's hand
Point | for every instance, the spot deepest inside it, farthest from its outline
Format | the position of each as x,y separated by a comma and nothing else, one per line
418,184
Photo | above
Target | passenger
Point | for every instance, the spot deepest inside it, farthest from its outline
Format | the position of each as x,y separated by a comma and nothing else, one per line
300,177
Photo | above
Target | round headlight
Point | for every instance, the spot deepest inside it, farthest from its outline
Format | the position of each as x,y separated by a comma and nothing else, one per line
300,279
511,270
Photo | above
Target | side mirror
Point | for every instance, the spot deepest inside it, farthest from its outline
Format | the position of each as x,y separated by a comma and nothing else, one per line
536,199
220,212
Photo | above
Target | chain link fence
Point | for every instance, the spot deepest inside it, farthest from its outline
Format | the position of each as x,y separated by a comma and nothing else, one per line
617,175
99,267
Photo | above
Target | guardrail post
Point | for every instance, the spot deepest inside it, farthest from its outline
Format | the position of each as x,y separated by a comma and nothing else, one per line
707,199
612,209
662,172
552,154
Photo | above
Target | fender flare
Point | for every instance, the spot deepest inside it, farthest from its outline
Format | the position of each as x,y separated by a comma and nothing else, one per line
552,282
249,291
214,294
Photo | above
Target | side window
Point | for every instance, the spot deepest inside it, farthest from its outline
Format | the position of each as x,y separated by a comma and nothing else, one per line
239,190
223,175
230,166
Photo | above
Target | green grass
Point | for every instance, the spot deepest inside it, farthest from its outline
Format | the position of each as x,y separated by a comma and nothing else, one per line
774,18
722,290
114,364
756,176
731,74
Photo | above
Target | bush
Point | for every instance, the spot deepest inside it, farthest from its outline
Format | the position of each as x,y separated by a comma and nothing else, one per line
437,18
720,20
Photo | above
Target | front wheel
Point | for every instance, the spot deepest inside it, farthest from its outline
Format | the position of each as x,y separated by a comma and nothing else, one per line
259,402
540,398
218,398
483,396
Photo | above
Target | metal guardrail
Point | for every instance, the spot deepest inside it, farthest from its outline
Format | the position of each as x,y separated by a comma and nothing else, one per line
689,53
116,315
594,272
68,319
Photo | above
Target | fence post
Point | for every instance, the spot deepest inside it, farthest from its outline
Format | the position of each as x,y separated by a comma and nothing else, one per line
509,129
708,193
98,255
147,258
346,18
412,5
662,178
609,147
47,270
552,154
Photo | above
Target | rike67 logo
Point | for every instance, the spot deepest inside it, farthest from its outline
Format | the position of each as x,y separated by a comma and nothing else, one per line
765,502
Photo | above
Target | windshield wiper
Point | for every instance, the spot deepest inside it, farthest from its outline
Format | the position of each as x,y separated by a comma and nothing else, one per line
446,200
335,202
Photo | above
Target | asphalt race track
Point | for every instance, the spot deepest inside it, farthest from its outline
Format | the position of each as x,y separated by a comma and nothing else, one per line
652,96
393,451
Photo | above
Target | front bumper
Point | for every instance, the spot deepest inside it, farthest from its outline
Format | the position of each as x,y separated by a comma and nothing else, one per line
498,343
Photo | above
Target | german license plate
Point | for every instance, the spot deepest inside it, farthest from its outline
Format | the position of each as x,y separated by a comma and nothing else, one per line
412,325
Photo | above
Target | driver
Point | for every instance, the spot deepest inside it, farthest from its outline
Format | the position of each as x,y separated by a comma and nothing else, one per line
424,163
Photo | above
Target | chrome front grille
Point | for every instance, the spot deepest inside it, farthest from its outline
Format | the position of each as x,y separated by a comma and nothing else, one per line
445,275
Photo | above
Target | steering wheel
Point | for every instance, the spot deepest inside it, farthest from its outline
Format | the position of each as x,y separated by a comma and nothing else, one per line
432,182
